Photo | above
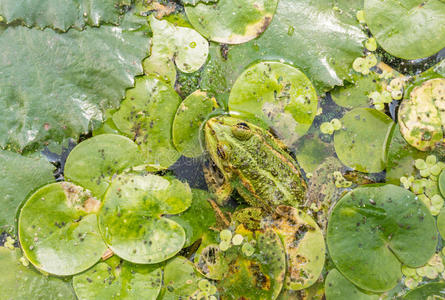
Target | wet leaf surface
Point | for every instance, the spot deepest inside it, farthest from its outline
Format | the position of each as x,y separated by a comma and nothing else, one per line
46,79
63,14
146,116
418,31
21,176
58,229
191,114
21,282
373,229
116,279
131,221
232,22
93,162
361,143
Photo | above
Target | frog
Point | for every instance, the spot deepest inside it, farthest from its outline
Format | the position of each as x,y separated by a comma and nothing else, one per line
253,162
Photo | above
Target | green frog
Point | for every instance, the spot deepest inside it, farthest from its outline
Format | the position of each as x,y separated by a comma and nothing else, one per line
252,161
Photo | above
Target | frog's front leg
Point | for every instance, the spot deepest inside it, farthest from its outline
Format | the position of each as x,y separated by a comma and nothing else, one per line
217,182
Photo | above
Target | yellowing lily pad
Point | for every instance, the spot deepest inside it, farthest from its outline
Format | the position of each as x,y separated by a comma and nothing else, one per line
303,243
259,276
58,229
337,287
186,47
23,282
146,116
130,218
361,143
407,29
374,229
232,22
116,279
93,162
192,112
422,116
275,95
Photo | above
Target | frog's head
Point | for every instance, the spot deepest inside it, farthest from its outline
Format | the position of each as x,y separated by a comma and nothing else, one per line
222,135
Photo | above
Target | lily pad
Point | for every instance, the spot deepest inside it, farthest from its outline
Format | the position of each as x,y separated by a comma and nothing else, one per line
194,2
23,282
374,229
58,229
303,243
146,116
21,176
197,218
93,162
361,143
232,22
208,258
356,92
116,279
418,32
259,276
337,287
180,280
130,218
401,158
48,93
441,223
191,114
427,291
186,47
422,116
275,95
302,27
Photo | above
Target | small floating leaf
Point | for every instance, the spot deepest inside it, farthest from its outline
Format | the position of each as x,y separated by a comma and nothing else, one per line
232,22
374,229
191,113
130,219
58,229
122,280
146,116
361,144
93,162
278,96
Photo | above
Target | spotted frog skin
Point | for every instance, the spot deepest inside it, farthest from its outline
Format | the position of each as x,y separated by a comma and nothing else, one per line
253,162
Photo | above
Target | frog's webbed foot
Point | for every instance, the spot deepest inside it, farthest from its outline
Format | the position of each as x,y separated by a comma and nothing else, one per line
217,183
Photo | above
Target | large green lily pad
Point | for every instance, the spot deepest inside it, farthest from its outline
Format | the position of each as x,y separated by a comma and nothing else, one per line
93,162
433,290
20,282
58,229
21,176
306,34
303,243
259,276
190,115
422,116
63,14
337,287
130,218
418,31
374,229
116,279
232,22
56,84
146,116
361,143
275,95
197,219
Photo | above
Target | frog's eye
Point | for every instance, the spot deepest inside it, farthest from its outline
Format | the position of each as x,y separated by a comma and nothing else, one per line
223,151
242,131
